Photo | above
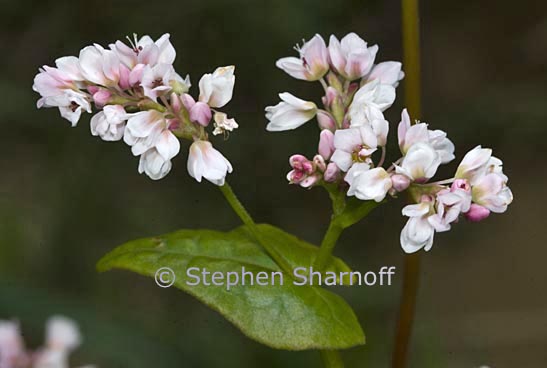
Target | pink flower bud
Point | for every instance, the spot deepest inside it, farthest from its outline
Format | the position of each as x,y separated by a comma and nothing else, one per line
101,97
326,144
175,101
201,113
319,162
331,95
301,163
477,213
353,88
187,100
304,171
427,198
93,89
173,124
332,173
400,182
325,120
124,77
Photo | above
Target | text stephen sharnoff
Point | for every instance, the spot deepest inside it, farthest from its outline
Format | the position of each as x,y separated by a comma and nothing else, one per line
301,276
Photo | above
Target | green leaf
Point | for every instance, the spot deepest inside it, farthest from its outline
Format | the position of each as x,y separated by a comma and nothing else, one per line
283,316
297,252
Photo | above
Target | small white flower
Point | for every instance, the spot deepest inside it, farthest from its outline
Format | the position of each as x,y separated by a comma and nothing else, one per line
474,163
154,165
12,347
62,334
50,82
160,79
69,66
420,162
70,103
419,133
109,124
59,88
488,182
353,145
355,170
351,57
290,113
216,89
369,103
418,233
448,206
388,72
444,146
206,162
491,191
370,184
99,66
148,134
462,188
142,129
145,51
312,64
223,124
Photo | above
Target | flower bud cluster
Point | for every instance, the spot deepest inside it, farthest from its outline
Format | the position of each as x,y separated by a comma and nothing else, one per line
62,337
353,138
144,101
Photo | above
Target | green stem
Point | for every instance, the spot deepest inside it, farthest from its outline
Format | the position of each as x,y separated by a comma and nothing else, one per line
327,245
246,218
331,359
411,61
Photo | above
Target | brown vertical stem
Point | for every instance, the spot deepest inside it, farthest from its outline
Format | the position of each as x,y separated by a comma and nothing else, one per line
406,310
411,62
411,56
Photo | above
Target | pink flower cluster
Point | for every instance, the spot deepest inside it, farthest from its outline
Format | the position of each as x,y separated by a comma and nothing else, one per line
353,138
144,101
62,337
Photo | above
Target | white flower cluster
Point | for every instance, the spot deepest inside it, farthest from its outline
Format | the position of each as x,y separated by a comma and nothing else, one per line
144,101
353,138
62,337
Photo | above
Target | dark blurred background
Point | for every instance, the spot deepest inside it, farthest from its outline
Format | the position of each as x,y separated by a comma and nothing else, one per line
67,198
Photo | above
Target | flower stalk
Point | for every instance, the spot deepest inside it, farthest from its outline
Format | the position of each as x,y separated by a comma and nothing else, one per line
331,359
327,245
412,90
246,218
